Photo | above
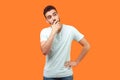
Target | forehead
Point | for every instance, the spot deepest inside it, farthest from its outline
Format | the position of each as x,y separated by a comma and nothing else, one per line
50,12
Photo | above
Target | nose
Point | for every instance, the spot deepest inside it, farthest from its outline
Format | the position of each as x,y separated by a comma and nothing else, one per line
53,18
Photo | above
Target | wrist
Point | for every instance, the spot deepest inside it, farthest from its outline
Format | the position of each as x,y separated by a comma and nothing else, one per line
77,61
53,33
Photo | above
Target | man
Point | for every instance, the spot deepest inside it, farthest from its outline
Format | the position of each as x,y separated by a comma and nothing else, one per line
55,45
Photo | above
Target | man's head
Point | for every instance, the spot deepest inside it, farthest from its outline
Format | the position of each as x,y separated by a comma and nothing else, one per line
51,14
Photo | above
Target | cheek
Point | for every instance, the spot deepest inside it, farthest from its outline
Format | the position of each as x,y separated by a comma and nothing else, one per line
50,21
57,17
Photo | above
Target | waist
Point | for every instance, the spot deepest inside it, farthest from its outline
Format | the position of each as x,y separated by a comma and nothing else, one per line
58,72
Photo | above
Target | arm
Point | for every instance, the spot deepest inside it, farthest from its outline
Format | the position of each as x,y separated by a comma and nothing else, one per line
86,47
46,45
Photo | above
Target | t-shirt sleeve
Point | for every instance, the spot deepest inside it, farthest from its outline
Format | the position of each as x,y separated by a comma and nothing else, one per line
77,35
43,36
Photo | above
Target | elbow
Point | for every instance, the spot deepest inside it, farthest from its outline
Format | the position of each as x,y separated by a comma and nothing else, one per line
45,52
87,47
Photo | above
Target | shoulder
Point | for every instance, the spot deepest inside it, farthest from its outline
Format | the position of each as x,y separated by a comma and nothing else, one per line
45,30
69,27
66,25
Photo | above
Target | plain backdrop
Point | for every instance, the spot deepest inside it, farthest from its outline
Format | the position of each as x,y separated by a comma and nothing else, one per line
22,20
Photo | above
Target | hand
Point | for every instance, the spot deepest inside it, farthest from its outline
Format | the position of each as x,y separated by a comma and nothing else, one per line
56,26
71,64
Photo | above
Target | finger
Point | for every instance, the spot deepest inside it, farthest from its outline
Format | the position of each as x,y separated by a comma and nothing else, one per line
70,66
58,23
67,64
54,22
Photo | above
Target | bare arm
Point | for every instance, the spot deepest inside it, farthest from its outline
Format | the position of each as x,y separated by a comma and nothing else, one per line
86,47
46,45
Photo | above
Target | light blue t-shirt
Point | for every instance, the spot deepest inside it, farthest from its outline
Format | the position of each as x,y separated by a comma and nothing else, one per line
60,50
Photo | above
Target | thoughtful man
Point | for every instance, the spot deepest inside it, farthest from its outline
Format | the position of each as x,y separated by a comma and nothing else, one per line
56,43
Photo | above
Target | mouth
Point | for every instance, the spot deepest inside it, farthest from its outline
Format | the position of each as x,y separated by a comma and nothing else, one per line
55,21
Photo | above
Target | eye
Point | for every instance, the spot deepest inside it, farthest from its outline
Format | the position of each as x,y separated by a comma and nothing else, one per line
48,17
54,14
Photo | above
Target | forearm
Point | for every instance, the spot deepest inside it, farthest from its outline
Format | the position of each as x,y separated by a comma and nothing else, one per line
47,45
83,53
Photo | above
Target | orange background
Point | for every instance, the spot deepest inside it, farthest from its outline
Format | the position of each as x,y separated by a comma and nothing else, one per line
21,22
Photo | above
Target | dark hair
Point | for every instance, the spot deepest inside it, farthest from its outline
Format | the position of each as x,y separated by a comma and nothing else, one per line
48,8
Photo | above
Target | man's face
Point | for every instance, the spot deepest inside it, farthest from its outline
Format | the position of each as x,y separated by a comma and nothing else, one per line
52,16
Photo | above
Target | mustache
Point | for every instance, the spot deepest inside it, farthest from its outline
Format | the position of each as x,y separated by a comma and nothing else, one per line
56,21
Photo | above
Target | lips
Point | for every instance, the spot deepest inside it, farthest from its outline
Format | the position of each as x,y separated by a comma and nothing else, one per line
54,21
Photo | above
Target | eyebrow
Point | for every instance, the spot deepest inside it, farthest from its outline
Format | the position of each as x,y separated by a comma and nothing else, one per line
52,13
48,16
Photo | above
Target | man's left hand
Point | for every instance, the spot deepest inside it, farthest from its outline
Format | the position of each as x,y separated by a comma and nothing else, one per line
71,64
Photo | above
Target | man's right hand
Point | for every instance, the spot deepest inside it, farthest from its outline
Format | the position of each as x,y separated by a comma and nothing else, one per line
56,26
46,45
